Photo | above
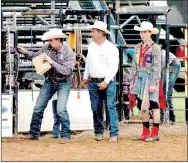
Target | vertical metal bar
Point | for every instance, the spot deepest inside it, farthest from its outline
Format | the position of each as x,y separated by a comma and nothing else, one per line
102,16
10,62
120,82
186,73
117,23
14,19
34,33
117,4
67,2
16,87
186,61
1,19
167,44
108,27
52,16
32,66
108,23
186,110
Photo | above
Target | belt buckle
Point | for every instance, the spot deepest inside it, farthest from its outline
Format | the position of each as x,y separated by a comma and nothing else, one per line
98,80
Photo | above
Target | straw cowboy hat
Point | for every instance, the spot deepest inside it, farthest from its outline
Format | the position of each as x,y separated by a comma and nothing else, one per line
53,33
146,26
101,26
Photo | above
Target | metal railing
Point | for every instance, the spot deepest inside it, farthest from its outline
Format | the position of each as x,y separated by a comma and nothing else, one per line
185,59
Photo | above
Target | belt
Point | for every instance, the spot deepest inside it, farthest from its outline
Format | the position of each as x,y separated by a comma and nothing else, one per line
97,80
57,80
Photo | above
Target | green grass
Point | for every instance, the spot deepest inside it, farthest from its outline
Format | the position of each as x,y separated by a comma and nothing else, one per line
179,105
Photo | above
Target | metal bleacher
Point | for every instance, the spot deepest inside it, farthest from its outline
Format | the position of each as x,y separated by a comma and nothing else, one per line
42,4
24,36
127,34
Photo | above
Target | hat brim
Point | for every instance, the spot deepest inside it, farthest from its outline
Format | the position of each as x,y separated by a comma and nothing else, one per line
46,36
153,30
102,29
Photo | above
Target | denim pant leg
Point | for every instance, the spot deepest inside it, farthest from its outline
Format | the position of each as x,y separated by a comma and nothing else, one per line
126,111
172,79
96,98
112,110
56,119
63,91
46,93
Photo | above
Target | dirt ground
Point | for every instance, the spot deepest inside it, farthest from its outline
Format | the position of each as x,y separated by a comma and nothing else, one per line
171,147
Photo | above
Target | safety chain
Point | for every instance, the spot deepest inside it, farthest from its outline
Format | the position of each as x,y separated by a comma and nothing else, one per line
11,77
7,64
17,63
78,51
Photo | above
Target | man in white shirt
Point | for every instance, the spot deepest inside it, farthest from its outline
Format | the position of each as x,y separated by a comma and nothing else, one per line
101,67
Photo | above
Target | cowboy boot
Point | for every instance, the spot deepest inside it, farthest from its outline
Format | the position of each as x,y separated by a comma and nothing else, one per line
144,136
154,135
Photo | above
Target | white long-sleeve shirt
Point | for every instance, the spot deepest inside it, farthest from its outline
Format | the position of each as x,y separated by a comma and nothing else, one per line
102,61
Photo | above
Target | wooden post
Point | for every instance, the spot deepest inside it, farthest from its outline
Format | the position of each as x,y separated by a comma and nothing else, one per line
186,74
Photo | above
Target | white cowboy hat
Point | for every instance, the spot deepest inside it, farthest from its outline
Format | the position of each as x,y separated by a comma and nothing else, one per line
53,33
146,26
101,26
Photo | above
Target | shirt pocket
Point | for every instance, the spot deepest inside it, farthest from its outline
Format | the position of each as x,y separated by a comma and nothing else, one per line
148,59
60,58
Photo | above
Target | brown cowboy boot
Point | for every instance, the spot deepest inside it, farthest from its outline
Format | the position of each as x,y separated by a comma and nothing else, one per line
154,135
144,136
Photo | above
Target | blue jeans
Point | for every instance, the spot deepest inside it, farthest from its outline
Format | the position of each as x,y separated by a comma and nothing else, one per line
173,74
57,121
47,91
96,97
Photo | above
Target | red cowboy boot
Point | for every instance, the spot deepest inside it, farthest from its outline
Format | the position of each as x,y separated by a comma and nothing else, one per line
154,135
144,136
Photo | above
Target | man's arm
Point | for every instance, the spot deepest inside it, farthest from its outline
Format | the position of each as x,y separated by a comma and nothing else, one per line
86,71
156,65
113,61
30,54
